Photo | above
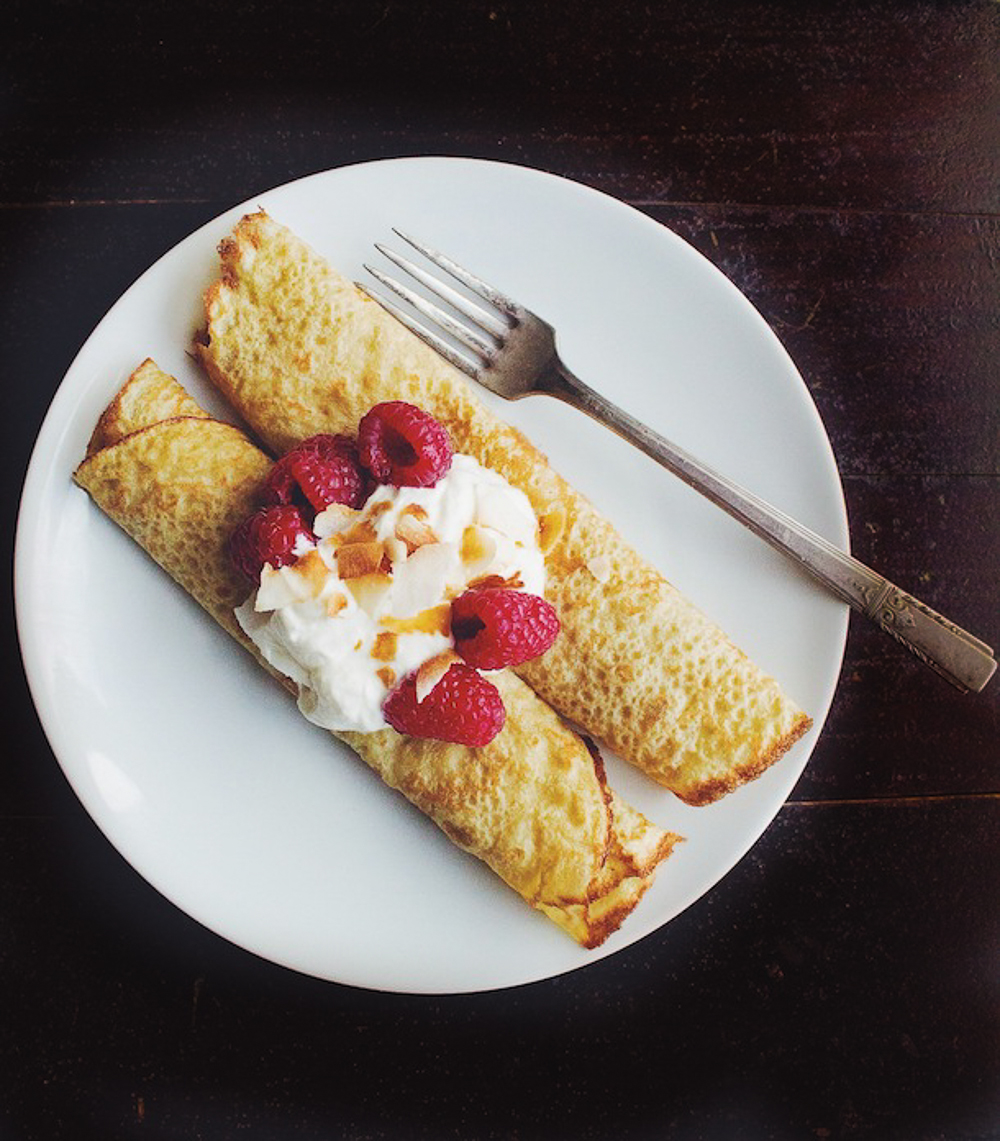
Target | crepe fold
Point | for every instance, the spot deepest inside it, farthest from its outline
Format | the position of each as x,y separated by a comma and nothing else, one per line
297,349
534,804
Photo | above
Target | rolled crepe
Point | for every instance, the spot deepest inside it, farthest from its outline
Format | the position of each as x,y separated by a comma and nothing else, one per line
298,349
149,395
534,804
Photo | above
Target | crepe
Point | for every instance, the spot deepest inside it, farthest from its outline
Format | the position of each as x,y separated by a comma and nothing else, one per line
297,349
149,395
534,804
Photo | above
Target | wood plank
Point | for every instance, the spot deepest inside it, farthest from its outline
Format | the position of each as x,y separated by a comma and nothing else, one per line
840,981
892,319
886,107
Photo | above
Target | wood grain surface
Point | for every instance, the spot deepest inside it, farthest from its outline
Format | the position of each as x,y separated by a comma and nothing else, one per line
840,162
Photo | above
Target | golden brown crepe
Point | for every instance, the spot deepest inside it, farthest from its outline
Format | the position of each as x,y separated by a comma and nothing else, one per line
534,804
298,349
149,394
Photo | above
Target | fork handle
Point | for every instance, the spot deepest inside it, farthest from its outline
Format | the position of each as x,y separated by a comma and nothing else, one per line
963,659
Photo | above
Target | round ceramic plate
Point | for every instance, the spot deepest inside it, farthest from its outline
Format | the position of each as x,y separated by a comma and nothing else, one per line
202,773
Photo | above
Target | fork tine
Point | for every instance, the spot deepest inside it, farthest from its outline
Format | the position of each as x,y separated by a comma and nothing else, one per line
450,354
468,337
488,292
476,313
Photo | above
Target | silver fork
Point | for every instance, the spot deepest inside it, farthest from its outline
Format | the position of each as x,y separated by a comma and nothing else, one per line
512,352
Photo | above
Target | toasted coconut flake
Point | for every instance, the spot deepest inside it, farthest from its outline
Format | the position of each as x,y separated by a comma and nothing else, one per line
369,590
362,532
422,578
478,548
328,552
313,571
413,530
335,603
550,527
432,671
279,587
600,567
384,647
434,620
357,559
513,582
334,519
396,550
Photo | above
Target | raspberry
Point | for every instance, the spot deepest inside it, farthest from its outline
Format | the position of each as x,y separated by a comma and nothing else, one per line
403,445
463,708
319,471
495,627
268,535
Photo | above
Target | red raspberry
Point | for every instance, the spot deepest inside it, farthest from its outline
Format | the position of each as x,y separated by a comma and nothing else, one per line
319,471
268,535
463,708
495,627
402,444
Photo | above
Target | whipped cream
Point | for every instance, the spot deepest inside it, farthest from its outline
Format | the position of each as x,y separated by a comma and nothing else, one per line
369,602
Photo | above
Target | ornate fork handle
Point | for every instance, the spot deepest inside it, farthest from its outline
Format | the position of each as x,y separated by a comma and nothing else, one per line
963,659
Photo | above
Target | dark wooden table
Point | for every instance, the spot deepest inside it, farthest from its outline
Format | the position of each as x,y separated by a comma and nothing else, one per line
841,164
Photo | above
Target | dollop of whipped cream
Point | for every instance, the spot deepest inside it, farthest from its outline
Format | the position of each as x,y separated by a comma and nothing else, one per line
370,601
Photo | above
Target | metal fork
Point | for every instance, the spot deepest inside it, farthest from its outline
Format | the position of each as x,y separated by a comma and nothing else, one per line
512,352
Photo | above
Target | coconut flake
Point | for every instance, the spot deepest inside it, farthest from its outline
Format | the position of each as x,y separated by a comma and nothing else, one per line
479,549
421,580
333,519
335,602
357,559
433,620
369,590
414,531
281,586
395,549
432,671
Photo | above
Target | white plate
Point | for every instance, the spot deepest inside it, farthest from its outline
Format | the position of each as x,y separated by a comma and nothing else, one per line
201,772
